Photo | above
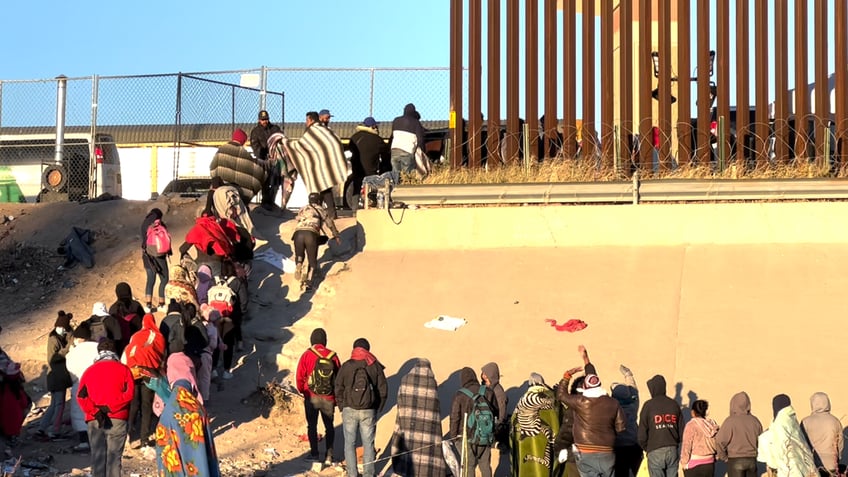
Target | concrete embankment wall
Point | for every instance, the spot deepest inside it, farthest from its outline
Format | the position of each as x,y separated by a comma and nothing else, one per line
472,228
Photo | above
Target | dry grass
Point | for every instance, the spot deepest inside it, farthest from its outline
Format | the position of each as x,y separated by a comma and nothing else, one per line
584,171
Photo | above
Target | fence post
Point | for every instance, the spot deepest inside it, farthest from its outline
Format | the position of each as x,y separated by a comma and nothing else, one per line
722,150
1,103
371,99
263,87
636,187
95,98
179,123
526,142
617,164
61,100
233,107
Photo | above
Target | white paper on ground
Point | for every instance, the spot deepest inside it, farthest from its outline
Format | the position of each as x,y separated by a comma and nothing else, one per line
445,322
277,259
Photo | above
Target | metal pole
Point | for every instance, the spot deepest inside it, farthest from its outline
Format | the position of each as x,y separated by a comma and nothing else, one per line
1,103
684,84
550,99
531,75
590,137
463,455
607,75
822,105
526,136
493,146
233,106
475,82
92,175
722,137
178,129
371,98
625,87
455,120
781,72
802,102
263,86
61,103
569,82
617,157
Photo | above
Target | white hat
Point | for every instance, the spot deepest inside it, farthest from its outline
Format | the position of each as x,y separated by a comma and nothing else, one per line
99,309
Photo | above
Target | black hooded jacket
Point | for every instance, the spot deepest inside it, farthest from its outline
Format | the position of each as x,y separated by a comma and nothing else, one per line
660,422
126,308
463,404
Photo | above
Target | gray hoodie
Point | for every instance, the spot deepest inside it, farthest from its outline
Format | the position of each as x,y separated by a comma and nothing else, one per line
737,436
492,372
823,431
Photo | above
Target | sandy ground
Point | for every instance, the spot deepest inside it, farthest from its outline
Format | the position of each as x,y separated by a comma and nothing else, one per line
714,320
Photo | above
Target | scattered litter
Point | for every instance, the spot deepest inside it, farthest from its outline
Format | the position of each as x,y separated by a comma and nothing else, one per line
571,325
447,323
276,259
272,452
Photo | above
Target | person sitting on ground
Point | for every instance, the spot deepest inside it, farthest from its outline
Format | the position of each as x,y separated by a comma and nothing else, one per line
234,164
311,220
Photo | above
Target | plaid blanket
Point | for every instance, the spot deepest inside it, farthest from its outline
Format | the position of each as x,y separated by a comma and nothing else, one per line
318,158
236,166
417,440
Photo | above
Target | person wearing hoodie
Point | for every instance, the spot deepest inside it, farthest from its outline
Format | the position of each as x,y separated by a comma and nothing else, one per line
105,392
314,403
361,393
407,137
144,356
736,441
660,429
628,454
477,455
127,311
782,446
58,378
368,152
205,281
154,265
490,375
598,418
102,324
81,355
824,433
697,452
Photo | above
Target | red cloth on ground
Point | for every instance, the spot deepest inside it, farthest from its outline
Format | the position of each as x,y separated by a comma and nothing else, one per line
571,325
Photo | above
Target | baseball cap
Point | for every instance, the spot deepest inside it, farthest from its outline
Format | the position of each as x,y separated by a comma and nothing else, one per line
264,115
325,112
370,122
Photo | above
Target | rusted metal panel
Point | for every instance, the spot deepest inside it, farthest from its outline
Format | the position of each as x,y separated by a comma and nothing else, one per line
761,127
493,151
822,100
802,101
646,122
743,102
607,74
475,82
512,112
723,73
456,82
590,138
531,76
551,72
684,96
625,85
664,85
841,80
569,80
704,153
781,83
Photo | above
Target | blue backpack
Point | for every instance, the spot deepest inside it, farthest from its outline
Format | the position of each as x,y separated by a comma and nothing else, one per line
481,420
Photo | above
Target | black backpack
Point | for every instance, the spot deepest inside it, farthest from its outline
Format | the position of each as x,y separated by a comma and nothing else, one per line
176,334
323,377
97,324
361,394
481,420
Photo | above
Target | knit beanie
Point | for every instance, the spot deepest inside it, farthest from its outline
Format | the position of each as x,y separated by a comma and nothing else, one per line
123,291
240,136
591,381
319,336
63,320
779,402
362,343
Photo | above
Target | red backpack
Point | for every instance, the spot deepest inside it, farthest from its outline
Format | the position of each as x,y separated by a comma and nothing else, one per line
158,239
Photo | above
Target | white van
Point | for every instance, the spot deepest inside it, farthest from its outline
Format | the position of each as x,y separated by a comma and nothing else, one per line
29,173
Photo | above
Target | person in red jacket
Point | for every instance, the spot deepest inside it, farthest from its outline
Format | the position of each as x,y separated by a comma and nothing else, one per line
144,355
316,381
106,390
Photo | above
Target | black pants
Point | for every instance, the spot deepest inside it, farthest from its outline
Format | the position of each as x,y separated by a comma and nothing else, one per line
142,403
627,460
306,243
270,189
704,470
314,406
742,467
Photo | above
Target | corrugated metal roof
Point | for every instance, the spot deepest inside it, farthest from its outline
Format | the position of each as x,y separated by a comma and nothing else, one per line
196,133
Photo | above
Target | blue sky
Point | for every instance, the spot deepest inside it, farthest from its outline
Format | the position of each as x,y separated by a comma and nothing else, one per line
87,37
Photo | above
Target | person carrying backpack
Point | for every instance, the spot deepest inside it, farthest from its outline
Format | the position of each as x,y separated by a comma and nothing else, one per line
102,324
477,401
361,393
155,262
316,372
127,311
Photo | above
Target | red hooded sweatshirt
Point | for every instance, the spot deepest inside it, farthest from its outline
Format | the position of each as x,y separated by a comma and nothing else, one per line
305,366
146,348
109,383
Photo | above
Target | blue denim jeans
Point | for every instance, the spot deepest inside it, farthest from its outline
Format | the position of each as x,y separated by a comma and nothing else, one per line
596,464
663,462
363,421
51,421
402,162
107,447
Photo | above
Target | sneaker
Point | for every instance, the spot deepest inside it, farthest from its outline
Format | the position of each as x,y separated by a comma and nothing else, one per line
150,308
328,461
227,375
82,447
298,270
311,457
214,373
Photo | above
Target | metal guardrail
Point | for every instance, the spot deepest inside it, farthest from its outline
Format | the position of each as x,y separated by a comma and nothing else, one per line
623,192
